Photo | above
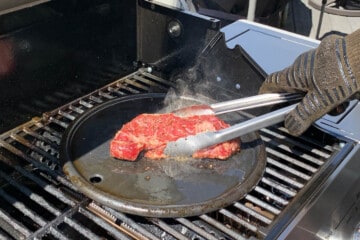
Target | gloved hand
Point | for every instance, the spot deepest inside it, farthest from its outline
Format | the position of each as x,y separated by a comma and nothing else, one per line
329,75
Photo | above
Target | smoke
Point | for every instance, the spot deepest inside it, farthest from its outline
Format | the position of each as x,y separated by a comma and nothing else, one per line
191,87
213,76
185,94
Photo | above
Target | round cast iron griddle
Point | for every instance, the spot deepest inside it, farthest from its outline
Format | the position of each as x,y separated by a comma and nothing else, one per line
153,188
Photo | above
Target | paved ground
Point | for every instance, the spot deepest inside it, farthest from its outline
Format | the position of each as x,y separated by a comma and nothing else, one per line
304,19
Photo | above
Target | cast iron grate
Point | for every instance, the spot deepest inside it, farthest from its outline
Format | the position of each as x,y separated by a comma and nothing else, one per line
37,201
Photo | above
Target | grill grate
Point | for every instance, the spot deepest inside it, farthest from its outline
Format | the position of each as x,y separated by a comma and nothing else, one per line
37,201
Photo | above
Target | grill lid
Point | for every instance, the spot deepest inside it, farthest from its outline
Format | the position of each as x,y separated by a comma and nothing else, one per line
164,188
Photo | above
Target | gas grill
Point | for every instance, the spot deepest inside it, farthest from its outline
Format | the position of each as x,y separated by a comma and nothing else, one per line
310,187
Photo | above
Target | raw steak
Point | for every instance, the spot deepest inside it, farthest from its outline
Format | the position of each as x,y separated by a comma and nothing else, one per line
151,132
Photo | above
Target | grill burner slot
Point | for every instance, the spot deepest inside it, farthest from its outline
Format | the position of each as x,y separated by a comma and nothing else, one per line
37,201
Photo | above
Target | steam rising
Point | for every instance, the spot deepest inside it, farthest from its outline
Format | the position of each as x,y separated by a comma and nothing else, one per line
190,88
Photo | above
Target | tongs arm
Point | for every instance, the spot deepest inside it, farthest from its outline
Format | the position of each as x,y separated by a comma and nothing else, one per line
257,101
188,145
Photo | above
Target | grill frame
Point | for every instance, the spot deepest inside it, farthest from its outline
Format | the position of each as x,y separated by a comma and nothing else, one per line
30,153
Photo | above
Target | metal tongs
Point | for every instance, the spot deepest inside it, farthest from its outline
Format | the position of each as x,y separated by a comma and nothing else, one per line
186,146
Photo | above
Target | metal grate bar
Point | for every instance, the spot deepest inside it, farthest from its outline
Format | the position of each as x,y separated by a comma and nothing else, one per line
253,213
155,78
86,104
123,227
44,185
152,82
161,224
54,232
290,181
196,228
76,109
51,226
220,226
310,141
319,150
19,153
291,150
116,91
81,228
148,82
208,228
288,169
278,186
58,122
106,95
238,220
129,222
31,146
47,187
22,208
270,195
56,136
129,89
104,224
13,227
3,235
95,99
32,195
137,84
38,165
291,160
262,204
49,230
66,115
34,134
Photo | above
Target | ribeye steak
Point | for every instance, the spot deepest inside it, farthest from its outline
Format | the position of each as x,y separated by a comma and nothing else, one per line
151,132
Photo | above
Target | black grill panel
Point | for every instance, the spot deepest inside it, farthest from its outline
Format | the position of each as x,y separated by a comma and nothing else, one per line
38,201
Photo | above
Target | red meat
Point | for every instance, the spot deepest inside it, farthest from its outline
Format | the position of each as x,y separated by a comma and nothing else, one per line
151,132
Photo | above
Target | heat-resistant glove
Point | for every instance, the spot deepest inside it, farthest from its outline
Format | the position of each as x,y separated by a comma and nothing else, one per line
329,75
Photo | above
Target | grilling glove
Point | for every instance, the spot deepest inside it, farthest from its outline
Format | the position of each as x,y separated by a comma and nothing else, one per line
329,75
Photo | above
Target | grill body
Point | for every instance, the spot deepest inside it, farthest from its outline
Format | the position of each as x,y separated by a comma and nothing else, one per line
72,57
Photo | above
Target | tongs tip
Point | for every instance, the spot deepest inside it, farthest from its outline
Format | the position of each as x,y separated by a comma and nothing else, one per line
193,110
186,146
